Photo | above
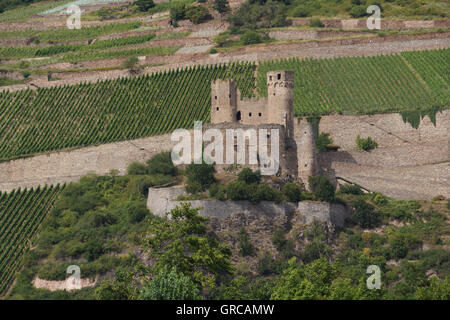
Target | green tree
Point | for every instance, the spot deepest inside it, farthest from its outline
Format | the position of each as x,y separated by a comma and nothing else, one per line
248,176
170,285
144,5
245,246
322,188
161,164
183,243
221,6
292,192
199,177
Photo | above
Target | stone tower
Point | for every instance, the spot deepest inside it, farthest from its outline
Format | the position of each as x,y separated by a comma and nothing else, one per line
223,101
306,152
280,85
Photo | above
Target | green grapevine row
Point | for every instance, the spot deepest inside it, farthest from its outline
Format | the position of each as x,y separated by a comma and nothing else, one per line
391,83
28,52
21,213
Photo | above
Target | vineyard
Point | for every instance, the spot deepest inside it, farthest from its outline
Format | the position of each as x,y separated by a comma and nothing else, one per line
393,83
94,113
29,52
112,110
21,213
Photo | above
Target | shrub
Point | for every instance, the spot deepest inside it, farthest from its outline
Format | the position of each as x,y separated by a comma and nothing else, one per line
144,5
93,249
130,63
315,250
136,168
251,37
322,188
265,264
212,51
221,6
351,189
292,192
365,214
448,204
177,12
322,141
25,74
197,14
301,11
245,246
398,248
171,285
248,176
366,144
161,164
358,12
237,190
316,23
218,192
140,184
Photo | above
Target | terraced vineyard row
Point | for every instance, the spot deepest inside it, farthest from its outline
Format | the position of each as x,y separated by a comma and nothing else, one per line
28,52
21,213
392,83
111,110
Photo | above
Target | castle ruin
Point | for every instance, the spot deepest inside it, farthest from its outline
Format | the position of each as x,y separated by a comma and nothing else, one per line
231,111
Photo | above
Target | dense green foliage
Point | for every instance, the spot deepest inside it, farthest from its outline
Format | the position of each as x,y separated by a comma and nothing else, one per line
91,224
391,83
21,213
112,110
365,144
322,188
199,177
144,5
258,14
183,243
28,52
170,285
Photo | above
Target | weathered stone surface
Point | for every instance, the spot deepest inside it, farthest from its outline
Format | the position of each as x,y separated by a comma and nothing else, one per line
333,214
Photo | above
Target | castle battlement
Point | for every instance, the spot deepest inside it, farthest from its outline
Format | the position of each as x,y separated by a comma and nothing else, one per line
277,108
228,110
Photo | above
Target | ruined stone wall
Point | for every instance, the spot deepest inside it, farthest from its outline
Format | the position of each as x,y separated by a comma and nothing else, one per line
162,200
387,129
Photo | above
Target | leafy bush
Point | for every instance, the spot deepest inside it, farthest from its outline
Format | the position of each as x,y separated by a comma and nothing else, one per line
358,12
199,177
316,23
366,144
322,188
253,15
315,250
351,189
251,37
177,12
301,11
140,184
365,214
248,176
170,285
245,246
144,5
322,141
237,190
136,168
197,14
161,164
292,192
221,6
130,63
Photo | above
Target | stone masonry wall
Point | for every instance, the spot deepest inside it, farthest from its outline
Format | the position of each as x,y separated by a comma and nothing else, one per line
67,166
